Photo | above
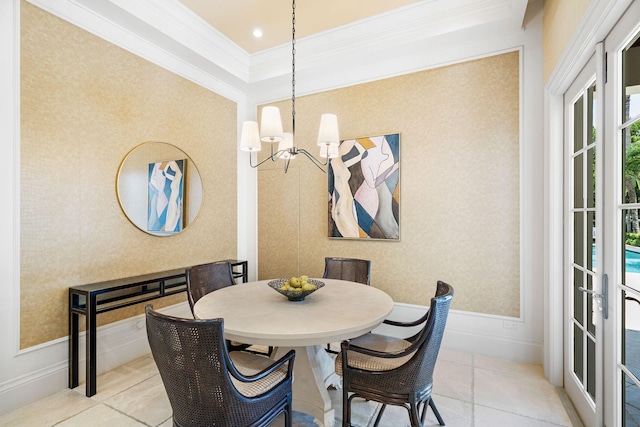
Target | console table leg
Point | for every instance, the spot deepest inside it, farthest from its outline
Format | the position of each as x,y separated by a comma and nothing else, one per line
91,346
73,344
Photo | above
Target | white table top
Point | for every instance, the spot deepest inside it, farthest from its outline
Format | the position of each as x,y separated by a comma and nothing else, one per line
255,313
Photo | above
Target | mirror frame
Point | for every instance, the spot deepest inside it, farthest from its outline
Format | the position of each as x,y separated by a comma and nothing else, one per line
132,183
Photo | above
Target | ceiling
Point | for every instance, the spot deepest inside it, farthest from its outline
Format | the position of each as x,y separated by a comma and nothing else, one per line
238,18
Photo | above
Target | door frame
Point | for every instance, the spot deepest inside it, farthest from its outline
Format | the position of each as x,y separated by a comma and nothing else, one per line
599,20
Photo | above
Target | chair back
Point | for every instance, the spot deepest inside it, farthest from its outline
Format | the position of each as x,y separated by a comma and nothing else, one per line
352,269
192,360
198,375
416,374
205,278
429,339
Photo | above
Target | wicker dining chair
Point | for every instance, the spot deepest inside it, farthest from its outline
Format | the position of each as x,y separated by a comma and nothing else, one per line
205,278
395,371
352,269
207,385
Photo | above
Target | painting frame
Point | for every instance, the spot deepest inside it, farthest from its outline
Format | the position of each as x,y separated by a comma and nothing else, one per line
364,189
165,206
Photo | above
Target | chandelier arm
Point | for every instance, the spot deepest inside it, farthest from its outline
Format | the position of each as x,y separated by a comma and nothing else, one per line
315,161
274,157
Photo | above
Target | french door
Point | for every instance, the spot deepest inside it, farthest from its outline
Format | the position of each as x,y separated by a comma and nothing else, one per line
584,244
602,231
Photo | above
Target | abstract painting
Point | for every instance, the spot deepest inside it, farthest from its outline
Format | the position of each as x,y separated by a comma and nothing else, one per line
166,186
364,189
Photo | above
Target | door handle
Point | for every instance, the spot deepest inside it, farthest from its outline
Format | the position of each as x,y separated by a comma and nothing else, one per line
604,296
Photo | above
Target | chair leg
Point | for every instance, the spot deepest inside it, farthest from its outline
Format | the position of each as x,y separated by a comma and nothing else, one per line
289,417
435,411
414,415
379,417
346,408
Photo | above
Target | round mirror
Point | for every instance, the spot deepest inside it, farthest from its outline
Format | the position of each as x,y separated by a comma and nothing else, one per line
159,188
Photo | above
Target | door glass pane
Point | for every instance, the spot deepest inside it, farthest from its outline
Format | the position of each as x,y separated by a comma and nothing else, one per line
578,353
591,366
631,253
591,177
578,296
591,328
631,79
578,175
591,239
578,239
631,166
578,121
591,103
631,397
631,333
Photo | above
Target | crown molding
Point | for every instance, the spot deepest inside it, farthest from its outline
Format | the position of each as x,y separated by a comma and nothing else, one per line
599,18
377,62
420,21
223,69
169,34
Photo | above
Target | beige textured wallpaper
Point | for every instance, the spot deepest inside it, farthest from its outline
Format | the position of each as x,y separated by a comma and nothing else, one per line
84,104
459,186
560,19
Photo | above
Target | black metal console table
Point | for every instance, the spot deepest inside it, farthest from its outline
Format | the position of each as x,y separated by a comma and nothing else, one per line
95,298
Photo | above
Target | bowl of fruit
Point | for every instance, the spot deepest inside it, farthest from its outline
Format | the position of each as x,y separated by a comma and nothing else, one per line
296,288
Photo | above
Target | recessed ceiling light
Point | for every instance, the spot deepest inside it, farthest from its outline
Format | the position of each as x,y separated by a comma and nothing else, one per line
257,33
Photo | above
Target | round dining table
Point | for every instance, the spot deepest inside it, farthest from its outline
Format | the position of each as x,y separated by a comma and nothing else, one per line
254,313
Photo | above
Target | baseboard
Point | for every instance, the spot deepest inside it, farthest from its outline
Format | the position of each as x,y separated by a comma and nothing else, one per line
126,340
117,343
495,336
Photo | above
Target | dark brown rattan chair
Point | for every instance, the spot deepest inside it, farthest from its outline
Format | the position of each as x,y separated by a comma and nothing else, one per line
394,371
352,269
207,385
205,278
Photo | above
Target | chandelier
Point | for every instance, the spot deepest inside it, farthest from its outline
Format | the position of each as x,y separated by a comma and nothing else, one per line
271,127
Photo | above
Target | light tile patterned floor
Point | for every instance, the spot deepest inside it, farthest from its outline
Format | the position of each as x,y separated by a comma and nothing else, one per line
469,390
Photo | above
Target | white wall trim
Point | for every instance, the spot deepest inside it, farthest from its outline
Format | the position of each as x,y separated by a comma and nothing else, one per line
598,20
126,340
117,343
478,333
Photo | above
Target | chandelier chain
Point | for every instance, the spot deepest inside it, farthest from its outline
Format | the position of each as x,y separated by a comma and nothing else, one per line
293,67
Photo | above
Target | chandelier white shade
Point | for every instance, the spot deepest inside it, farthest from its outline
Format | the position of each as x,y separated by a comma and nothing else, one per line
328,133
331,149
285,145
250,137
271,125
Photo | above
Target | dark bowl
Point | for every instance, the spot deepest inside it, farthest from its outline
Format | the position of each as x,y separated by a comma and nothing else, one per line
296,294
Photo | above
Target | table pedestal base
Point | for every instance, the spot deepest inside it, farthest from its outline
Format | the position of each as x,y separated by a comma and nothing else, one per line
310,395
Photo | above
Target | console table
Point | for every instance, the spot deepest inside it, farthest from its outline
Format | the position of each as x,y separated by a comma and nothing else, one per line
242,269
92,299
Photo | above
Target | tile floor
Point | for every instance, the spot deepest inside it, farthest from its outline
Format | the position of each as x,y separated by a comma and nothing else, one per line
470,391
